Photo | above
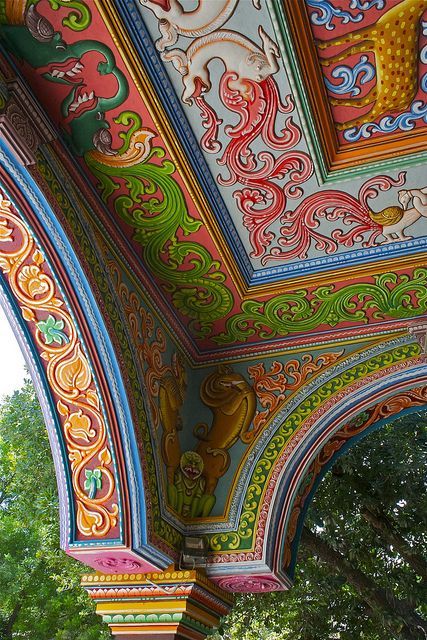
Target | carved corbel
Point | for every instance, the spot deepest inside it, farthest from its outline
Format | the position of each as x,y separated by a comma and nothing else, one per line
23,124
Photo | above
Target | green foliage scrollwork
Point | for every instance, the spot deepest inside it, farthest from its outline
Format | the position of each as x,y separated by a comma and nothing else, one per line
390,296
162,528
243,538
154,206
77,20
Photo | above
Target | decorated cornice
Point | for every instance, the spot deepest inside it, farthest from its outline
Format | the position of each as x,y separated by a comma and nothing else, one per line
23,124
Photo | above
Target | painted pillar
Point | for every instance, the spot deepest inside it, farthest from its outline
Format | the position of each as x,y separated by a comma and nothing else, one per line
174,605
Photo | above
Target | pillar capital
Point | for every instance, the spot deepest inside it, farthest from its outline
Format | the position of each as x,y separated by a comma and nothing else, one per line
173,605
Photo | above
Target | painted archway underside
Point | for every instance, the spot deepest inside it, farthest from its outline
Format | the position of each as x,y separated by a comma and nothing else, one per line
255,308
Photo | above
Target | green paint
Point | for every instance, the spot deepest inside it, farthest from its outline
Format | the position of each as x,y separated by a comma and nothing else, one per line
243,538
142,617
74,214
390,296
77,20
81,129
52,330
93,482
156,618
154,206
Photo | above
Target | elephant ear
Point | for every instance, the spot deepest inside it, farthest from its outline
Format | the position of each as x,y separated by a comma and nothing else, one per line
224,369
103,141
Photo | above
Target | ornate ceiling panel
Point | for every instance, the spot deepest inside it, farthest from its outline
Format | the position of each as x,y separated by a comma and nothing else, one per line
245,192
257,247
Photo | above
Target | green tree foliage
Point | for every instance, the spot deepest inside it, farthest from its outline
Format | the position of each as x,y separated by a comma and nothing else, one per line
40,596
362,569
361,572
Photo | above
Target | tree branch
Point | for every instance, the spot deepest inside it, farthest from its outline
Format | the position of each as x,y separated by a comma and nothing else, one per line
379,521
412,626
383,525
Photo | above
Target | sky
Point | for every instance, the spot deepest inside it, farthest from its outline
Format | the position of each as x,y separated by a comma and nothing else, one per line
11,360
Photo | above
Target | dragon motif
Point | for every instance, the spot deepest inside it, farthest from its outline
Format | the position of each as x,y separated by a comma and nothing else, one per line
241,57
174,21
248,90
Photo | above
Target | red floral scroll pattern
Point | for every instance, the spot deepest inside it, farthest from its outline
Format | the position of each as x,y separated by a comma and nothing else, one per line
300,226
261,200
149,342
272,387
69,375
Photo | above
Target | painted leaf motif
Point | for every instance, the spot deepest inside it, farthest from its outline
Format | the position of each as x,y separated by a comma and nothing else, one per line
80,426
74,374
93,482
88,521
105,456
92,398
51,328
38,257
5,264
5,232
33,281
62,408
28,314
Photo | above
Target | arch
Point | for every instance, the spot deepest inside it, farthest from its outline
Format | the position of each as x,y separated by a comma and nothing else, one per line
395,395
363,428
66,342
253,555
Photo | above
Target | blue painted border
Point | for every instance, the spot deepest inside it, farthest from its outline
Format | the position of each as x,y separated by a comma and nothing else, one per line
373,255
107,357
348,445
130,14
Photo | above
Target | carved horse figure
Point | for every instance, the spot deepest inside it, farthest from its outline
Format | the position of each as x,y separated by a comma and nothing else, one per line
394,41
208,16
240,56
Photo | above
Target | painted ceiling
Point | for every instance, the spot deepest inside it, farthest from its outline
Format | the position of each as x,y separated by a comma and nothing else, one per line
252,174
286,137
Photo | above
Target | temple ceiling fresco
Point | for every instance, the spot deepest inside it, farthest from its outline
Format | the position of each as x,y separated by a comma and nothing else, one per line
244,185
258,244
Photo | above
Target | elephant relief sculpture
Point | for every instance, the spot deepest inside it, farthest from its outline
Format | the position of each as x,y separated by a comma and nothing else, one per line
82,67
192,476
